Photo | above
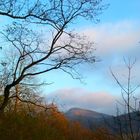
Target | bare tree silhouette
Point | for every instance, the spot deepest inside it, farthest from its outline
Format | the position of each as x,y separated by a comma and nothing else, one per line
33,57
126,122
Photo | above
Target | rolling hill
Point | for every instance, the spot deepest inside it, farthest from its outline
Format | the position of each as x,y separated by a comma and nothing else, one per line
89,119
93,120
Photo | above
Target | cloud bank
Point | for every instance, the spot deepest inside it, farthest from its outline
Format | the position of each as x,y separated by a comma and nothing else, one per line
110,38
76,97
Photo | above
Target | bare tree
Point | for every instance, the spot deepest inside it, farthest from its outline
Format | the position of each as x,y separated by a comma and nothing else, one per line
126,122
52,12
64,50
26,91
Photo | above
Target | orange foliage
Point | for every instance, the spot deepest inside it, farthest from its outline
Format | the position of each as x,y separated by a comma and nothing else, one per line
49,125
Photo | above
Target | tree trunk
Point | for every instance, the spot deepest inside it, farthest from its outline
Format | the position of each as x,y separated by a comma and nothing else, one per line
6,98
16,102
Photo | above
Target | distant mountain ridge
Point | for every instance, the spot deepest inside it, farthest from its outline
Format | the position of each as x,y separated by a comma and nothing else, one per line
85,113
88,118
92,119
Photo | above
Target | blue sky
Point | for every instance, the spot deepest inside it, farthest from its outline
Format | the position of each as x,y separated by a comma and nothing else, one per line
115,37
121,10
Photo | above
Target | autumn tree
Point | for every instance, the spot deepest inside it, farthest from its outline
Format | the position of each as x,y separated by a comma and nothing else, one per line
64,49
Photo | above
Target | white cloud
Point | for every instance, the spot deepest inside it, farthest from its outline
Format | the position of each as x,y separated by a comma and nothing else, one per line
76,97
114,37
113,42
